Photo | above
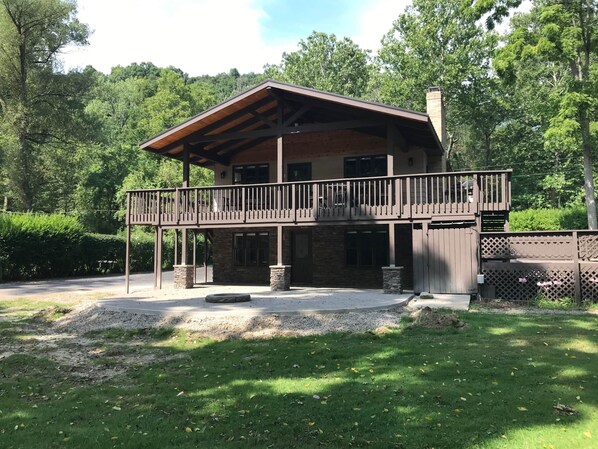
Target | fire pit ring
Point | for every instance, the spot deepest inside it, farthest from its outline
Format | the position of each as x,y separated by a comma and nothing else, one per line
227,298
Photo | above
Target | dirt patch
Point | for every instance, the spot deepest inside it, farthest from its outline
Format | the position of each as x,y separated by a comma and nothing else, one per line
76,356
429,318
224,327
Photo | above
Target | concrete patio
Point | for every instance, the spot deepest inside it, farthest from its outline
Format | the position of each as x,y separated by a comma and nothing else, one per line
298,300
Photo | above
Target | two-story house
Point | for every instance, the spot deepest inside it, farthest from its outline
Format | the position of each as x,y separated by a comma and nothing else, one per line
314,188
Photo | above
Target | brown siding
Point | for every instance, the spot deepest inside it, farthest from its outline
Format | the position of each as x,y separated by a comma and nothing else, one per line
329,267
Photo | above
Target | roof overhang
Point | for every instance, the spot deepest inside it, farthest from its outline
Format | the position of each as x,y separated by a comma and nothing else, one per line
273,108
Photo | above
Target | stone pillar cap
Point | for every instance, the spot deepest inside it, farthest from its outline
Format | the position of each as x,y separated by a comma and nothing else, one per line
280,266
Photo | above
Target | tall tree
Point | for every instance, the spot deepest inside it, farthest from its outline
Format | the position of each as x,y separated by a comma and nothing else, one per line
445,44
32,33
562,37
326,63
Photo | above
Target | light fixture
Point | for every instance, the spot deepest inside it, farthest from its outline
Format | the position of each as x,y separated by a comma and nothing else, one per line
410,162
223,174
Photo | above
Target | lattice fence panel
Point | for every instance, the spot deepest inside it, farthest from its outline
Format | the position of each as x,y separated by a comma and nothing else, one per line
588,246
526,281
589,281
495,247
528,246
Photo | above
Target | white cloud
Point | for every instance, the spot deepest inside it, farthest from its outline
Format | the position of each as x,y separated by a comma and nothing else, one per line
198,36
375,20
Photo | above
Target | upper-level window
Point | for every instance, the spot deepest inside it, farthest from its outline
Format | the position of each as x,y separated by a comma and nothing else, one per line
365,166
251,174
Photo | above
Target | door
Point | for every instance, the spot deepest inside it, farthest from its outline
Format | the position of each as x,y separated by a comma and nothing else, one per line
445,259
301,257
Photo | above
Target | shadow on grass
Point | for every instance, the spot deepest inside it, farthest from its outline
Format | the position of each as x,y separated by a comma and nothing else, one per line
412,387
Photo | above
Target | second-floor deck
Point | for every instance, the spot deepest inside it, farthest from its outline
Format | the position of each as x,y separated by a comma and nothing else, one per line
442,196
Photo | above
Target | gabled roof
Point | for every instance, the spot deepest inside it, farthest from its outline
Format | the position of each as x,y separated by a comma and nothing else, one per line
252,117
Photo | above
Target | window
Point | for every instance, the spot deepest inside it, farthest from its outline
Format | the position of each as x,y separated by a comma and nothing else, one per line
251,174
365,166
366,248
251,249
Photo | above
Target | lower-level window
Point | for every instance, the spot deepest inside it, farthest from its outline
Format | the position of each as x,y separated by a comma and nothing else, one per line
251,248
366,248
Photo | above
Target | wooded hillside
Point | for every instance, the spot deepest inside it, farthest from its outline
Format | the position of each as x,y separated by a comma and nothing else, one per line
524,98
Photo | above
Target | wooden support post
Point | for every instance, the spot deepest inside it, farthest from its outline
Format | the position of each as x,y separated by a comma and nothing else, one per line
185,197
160,238
279,245
390,153
205,256
186,165
194,256
184,249
127,258
156,261
279,144
176,246
279,160
391,245
576,267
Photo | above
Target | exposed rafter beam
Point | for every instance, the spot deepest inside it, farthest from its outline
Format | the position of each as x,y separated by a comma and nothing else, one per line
306,128
246,146
263,119
190,138
210,155
299,113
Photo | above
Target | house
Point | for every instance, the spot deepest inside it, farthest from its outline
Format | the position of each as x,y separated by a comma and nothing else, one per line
314,188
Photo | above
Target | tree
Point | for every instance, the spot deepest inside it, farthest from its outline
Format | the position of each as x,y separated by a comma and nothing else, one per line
35,97
444,44
561,36
326,63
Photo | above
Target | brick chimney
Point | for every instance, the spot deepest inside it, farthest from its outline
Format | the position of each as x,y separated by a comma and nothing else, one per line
437,114
435,109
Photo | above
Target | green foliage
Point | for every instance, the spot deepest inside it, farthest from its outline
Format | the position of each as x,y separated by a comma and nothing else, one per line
551,51
548,219
39,106
36,246
326,63
565,303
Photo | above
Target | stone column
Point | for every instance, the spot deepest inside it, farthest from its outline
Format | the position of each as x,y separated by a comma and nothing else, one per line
183,276
392,279
280,277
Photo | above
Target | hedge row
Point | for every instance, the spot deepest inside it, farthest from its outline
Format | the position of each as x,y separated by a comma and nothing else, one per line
36,246
548,219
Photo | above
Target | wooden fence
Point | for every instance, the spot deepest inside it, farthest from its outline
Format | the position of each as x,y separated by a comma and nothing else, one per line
521,266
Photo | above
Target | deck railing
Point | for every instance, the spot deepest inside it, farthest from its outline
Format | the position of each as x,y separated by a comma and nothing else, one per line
457,194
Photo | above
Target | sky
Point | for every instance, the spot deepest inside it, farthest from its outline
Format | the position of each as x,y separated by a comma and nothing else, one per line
212,36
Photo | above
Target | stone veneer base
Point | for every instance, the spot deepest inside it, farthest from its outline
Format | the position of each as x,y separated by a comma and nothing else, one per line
280,277
183,276
392,280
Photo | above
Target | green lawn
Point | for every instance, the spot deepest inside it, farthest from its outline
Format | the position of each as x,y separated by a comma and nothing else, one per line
492,384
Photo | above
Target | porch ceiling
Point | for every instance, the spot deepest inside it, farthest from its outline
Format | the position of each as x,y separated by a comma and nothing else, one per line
272,108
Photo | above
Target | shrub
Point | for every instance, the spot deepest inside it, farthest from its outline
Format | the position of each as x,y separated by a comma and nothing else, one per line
548,219
36,246
565,303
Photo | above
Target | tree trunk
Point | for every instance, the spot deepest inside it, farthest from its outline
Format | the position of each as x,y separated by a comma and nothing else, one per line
588,174
25,182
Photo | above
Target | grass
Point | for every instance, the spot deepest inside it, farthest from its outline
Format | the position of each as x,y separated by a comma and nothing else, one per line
492,384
